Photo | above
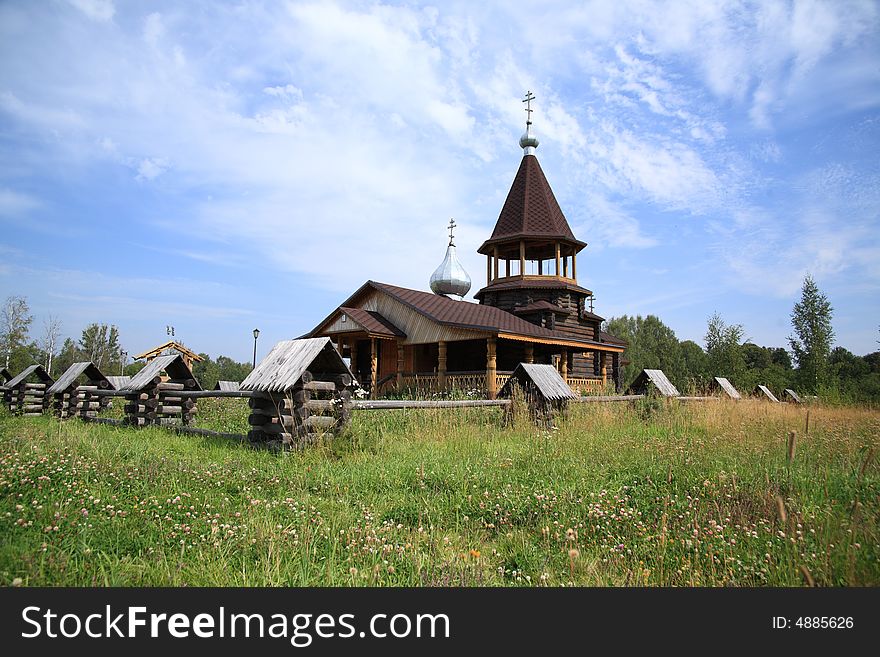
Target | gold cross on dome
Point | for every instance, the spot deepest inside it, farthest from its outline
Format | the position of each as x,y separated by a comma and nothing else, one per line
528,101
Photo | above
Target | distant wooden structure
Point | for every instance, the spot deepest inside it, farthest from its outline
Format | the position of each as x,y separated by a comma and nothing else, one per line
189,357
152,398
725,386
5,375
649,381
764,392
26,393
71,393
228,386
793,396
303,388
118,381
545,391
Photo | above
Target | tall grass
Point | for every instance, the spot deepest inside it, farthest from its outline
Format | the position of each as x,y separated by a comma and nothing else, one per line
651,493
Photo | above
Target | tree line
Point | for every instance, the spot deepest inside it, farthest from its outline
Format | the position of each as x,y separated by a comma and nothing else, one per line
810,365
98,343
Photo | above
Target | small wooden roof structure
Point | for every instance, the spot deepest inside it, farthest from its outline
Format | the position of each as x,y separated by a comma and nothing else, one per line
5,375
791,394
228,386
721,383
71,376
173,365
33,370
543,380
655,378
764,391
284,366
188,355
118,381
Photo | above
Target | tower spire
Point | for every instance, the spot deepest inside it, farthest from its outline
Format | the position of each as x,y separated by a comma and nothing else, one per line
528,142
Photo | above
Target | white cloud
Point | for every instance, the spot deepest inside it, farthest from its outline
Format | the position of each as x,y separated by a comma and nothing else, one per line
14,204
98,10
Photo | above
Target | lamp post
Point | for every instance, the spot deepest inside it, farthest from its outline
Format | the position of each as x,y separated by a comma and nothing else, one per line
122,366
256,335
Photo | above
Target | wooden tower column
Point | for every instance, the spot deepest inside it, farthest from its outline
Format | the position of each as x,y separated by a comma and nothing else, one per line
488,269
441,364
399,362
557,260
530,354
490,367
495,265
374,368
574,266
522,257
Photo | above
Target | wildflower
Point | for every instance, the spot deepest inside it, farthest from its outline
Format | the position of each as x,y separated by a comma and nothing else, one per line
353,571
570,535
475,554
573,553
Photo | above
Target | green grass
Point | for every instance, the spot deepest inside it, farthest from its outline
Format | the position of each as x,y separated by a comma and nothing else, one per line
644,494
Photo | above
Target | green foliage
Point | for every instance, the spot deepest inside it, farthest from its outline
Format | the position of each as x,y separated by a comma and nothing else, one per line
725,355
652,345
99,344
15,321
450,498
811,343
696,366
209,372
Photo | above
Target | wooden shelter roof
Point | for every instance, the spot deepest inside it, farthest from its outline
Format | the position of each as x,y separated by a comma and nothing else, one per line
72,374
765,391
228,386
530,211
658,379
373,323
5,375
24,375
726,386
118,381
544,379
171,344
283,367
791,394
172,364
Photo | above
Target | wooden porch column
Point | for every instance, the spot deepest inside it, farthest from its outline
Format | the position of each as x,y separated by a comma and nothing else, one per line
399,362
557,259
495,266
374,368
616,373
564,365
603,367
441,364
354,358
522,258
490,367
340,346
530,354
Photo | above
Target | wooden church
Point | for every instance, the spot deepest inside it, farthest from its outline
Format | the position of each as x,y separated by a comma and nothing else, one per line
531,310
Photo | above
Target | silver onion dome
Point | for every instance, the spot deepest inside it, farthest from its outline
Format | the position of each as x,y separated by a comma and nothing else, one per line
528,142
450,277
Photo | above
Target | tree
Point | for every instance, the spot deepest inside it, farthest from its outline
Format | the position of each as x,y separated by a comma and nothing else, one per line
696,364
724,350
811,343
68,355
652,345
100,344
49,341
15,321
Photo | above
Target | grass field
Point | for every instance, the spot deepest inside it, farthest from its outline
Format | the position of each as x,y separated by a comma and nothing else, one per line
701,494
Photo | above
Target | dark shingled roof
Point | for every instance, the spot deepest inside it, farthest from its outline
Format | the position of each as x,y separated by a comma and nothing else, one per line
71,376
548,283
610,339
531,210
373,323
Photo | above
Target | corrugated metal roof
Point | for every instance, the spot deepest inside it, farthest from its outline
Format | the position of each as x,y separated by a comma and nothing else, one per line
228,386
530,210
373,322
658,379
73,372
727,387
546,380
794,396
33,370
764,390
118,381
283,367
172,364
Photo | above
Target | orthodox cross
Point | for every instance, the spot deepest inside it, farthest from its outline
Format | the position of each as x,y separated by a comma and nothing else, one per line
452,225
592,299
528,101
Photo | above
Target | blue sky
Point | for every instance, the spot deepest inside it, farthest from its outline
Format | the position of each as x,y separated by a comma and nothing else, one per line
225,166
